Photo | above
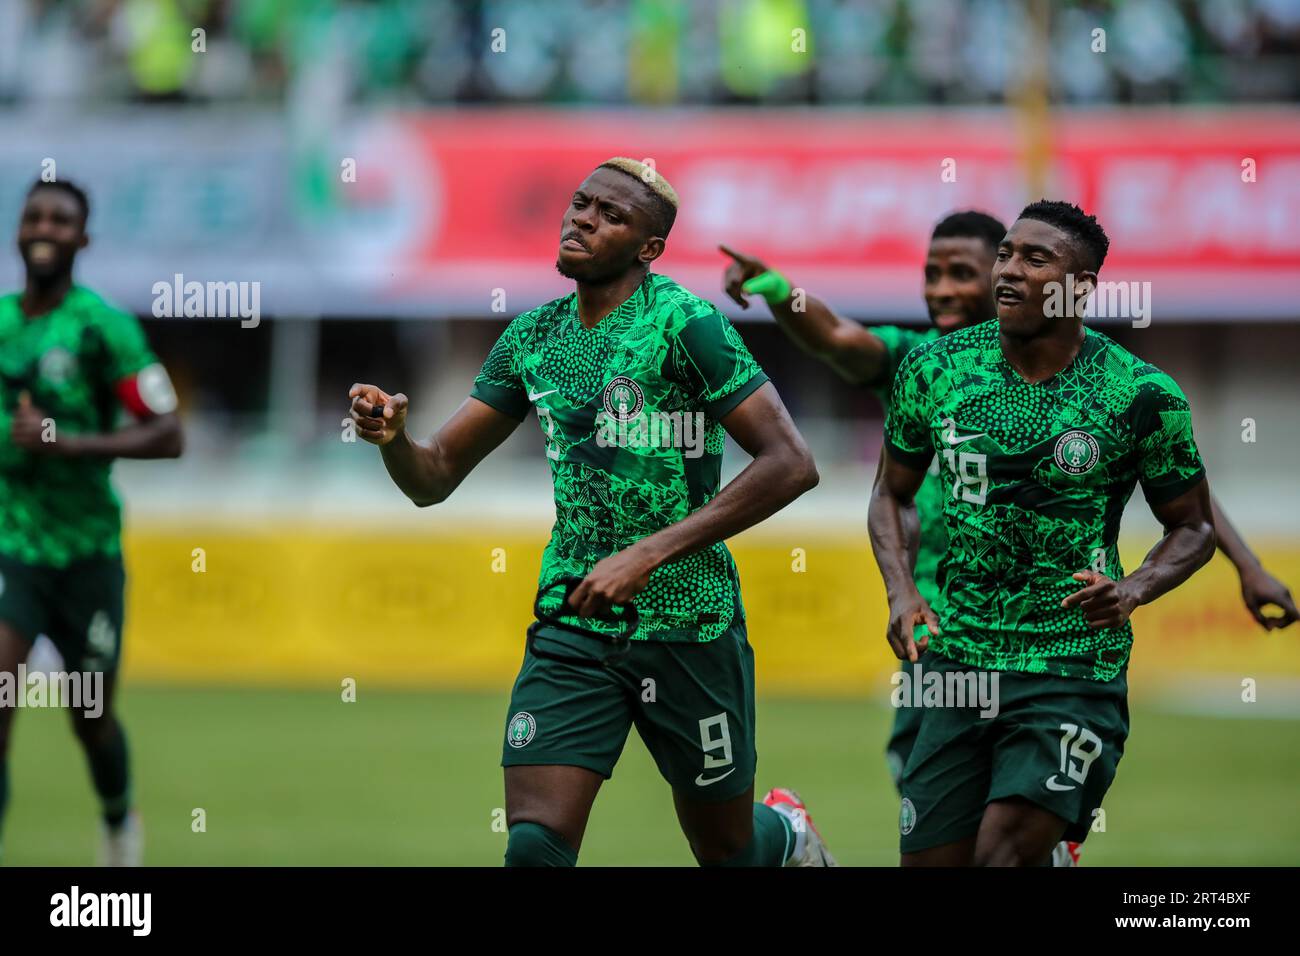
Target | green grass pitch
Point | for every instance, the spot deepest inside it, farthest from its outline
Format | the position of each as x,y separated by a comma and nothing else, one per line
298,777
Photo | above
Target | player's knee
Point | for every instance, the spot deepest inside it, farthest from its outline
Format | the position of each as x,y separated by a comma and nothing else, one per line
532,844
95,731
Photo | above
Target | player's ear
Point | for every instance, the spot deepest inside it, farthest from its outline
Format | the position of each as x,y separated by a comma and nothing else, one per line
1084,285
651,249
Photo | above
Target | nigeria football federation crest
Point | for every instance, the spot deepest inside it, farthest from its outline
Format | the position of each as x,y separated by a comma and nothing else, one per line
1076,452
522,729
906,817
623,398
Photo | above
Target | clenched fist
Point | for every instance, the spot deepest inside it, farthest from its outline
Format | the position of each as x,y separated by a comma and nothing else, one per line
379,417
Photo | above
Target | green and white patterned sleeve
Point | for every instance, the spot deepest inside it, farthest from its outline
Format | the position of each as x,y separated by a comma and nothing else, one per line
498,383
907,426
709,355
1169,463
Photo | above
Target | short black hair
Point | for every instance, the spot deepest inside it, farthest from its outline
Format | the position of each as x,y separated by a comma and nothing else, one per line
69,187
1086,232
971,224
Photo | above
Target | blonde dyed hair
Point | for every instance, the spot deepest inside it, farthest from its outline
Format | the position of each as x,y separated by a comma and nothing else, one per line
647,174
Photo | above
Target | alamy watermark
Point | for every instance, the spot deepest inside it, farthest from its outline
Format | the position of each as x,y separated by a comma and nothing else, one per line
1115,300
77,690
683,430
208,300
922,688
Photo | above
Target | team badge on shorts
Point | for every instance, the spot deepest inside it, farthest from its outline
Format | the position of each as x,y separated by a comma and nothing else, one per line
1076,452
623,398
522,729
906,817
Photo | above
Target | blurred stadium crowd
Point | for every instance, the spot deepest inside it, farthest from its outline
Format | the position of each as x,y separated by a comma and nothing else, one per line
642,51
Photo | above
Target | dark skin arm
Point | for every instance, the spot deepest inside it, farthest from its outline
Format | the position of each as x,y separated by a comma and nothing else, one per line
856,354
1258,587
895,530
428,472
156,437
1188,543
782,469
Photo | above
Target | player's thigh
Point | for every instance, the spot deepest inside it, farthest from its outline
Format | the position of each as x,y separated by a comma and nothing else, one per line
944,784
14,648
695,713
86,624
1016,832
1058,749
558,797
566,725
906,725
25,598
958,853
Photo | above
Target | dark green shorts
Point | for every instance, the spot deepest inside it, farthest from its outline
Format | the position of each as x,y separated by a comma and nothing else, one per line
1055,741
692,704
907,724
79,608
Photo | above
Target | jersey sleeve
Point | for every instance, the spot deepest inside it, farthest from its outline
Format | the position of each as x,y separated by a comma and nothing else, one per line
711,358
907,428
499,383
127,350
898,342
1169,463
131,369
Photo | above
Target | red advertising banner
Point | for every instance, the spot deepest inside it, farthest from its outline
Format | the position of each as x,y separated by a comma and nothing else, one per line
451,206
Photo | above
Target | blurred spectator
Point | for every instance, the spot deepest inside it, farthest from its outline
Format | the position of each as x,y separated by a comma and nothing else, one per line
644,51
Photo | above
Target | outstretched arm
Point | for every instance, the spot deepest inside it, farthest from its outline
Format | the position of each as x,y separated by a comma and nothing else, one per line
855,353
781,470
1258,587
428,472
894,528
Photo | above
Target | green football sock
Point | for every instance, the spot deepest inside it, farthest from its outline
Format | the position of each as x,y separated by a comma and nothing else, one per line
773,840
110,772
531,844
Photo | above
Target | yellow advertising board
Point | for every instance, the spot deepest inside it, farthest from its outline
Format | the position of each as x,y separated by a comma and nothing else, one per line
306,604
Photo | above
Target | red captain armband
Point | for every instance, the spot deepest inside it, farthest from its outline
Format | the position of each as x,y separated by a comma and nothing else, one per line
147,393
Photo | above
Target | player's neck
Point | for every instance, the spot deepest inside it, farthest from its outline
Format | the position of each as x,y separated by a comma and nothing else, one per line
1037,358
595,301
45,295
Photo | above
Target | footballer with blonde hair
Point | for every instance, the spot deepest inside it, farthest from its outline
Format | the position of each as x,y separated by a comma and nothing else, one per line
634,380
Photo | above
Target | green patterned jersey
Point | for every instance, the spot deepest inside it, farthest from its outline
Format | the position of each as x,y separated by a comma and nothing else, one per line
1036,478
58,510
934,540
629,413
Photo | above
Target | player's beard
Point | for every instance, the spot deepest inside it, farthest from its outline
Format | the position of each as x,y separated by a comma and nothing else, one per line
591,272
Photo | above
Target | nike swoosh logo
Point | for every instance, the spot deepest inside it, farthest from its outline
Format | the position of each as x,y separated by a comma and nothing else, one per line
534,396
701,782
950,433
1051,784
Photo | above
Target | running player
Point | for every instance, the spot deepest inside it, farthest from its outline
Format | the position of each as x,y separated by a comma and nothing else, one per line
958,292
634,380
68,363
1043,428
